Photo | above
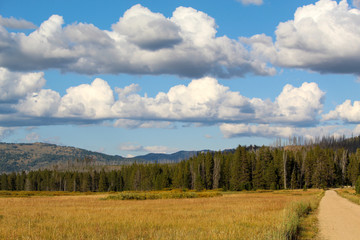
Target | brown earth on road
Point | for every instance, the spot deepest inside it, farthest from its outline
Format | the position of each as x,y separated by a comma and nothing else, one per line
338,218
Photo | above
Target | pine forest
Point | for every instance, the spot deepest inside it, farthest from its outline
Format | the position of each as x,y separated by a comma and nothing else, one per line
245,168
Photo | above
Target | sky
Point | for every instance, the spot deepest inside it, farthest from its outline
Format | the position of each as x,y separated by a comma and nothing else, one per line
135,77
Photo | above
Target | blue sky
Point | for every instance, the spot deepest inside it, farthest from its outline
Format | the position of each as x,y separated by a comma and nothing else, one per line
129,78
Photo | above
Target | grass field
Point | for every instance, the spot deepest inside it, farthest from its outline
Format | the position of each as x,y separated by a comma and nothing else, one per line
256,215
350,194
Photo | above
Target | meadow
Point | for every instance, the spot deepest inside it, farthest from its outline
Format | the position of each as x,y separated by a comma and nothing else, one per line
350,194
230,215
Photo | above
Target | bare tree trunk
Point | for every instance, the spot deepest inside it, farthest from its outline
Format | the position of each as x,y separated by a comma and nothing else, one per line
343,165
216,174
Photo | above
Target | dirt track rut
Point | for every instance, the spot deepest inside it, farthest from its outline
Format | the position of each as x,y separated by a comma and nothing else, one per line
338,218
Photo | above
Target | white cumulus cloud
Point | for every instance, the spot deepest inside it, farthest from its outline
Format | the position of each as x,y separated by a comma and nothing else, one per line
148,30
300,104
44,103
272,131
87,101
16,85
141,42
346,111
202,101
322,37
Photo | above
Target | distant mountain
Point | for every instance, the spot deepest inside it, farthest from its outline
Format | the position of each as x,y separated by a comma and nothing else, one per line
16,157
163,158
32,156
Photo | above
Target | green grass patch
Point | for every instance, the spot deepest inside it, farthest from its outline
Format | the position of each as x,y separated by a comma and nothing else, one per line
173,194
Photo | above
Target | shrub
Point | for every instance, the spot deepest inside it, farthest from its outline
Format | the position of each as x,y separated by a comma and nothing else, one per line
161,195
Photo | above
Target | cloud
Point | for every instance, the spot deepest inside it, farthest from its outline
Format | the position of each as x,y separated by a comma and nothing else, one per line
322,37
148,30
130,147
90,101
141,42
273,131
132,124
160,149
203,101
45,103
14,23
14,85
150,149
301,104
346,111
263,130
248,2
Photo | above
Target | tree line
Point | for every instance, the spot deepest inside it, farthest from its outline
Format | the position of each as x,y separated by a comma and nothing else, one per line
243,169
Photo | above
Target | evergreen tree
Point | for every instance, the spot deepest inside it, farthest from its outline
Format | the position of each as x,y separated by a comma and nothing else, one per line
235,179
103,183
354,167
4,182
209,168
12,182
258,176
357,186
270,176
86,184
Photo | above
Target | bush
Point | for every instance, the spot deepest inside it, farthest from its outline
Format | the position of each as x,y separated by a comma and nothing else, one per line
161,195
357,186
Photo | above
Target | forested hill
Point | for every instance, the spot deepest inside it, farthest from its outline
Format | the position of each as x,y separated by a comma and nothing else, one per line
24,156
32,156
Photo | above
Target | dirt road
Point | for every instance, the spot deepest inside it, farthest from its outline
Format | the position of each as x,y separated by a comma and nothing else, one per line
338,218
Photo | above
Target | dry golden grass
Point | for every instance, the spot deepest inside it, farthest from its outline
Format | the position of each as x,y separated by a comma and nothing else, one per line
350,194
231,216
